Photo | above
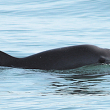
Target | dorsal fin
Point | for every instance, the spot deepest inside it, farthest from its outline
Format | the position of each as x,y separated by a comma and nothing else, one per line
5,59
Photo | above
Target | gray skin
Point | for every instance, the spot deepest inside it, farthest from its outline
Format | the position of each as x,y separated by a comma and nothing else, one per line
59,59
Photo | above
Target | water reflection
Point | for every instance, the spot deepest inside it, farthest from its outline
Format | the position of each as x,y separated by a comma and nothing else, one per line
90,80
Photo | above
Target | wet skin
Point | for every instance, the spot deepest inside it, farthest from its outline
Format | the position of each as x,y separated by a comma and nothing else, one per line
59,59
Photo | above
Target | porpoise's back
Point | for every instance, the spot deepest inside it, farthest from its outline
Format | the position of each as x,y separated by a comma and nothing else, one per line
60,58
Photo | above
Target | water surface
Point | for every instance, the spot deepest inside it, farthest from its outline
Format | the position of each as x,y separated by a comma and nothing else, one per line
31,26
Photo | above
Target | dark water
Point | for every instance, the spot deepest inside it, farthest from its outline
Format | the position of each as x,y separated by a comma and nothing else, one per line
32,26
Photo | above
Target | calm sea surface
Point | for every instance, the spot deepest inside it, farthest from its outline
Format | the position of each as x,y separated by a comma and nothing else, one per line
31,26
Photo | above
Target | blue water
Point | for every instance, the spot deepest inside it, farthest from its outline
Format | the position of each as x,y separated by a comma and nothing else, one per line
31,26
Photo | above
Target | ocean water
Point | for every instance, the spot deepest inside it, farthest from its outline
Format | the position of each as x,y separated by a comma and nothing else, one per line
31,26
